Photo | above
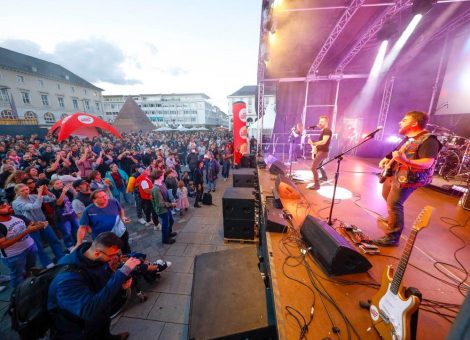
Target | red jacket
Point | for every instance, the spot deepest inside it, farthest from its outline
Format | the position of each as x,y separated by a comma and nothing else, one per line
142,193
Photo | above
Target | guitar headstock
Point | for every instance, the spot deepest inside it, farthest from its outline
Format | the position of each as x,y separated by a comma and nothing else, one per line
422,221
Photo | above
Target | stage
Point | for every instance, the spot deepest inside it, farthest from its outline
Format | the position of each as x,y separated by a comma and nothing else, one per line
432,267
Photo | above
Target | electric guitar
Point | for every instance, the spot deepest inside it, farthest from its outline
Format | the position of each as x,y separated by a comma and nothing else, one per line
389,168
390,310
314,148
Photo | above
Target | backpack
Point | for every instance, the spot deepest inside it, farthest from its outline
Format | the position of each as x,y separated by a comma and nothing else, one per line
28,303
207,198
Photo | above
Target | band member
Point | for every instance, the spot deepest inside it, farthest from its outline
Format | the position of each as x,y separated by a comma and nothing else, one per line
320,151
294,141
413,166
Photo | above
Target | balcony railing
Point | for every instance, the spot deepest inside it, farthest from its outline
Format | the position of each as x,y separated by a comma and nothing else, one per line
6,121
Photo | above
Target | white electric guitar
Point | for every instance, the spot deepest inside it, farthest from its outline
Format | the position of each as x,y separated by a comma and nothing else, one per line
390,310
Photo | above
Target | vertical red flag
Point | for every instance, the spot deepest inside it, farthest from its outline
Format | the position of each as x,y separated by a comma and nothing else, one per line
240,144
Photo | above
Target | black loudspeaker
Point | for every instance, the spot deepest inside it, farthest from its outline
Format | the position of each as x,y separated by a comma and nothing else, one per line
239,213
243,178
334,254
286,188
277,200
226,302
274,218
278,168
248,161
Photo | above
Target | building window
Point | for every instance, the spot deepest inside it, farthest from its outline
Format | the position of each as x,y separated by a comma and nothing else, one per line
30,115
19,79
41,83
75,104
61,101
97,104
45,100
3,95
85,91
25,96
49,118
87,105
73,89
6,114
58,86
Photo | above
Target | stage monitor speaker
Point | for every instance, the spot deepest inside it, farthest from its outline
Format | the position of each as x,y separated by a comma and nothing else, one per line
277,168
277,200
239,229
228,298
286,188
274,218
334,254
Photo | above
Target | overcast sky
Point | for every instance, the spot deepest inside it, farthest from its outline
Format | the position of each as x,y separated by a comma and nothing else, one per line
142,46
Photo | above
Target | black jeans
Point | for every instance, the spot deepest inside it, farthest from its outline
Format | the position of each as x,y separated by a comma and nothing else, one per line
149,211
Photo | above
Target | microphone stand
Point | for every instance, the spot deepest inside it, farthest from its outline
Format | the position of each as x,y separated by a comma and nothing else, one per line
291,149
339,158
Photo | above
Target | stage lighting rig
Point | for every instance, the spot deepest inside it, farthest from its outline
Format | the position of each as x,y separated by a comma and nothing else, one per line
422,6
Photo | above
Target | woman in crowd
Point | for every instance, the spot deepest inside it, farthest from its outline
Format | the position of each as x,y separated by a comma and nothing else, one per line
97,182
198,179
29,206
118,179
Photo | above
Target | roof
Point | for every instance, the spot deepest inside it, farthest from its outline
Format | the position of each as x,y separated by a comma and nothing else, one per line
252,90
41,68
158,94
131,118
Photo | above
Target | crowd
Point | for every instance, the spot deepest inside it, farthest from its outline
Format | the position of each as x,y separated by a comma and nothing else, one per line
54,194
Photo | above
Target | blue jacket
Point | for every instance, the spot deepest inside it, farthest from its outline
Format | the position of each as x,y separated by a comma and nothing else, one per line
79,300
114,189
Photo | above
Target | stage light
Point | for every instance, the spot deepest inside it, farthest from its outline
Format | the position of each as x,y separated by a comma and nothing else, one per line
341,193
393,139
377,67
422,6
400,43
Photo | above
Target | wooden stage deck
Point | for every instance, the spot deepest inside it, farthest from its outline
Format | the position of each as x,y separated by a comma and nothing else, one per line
293,287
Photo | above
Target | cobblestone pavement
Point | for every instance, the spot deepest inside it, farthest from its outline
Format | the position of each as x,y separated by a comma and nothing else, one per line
165,314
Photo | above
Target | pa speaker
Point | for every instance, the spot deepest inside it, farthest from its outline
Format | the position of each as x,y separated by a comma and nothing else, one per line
243,178
465,200
286,188
278,168
331,250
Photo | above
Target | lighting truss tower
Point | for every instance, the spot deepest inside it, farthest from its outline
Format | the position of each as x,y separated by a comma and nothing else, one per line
372,31
339,27
385,106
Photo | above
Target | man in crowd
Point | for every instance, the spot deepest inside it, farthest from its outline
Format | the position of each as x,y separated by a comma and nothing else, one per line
82,198
162,205
80,298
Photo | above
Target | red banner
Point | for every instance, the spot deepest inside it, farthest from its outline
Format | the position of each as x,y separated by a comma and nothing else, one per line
240,141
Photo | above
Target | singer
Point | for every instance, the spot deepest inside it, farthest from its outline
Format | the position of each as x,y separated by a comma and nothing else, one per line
294,141
320,151
413,166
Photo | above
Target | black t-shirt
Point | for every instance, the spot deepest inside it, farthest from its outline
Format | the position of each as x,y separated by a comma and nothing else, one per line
430,148
325,147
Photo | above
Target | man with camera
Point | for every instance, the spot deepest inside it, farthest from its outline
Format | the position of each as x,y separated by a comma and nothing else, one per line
80,296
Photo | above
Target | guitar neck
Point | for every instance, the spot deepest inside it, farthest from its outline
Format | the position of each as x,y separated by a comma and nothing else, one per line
397,278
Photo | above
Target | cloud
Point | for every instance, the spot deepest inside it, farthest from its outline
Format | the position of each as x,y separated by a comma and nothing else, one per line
175,71
95,60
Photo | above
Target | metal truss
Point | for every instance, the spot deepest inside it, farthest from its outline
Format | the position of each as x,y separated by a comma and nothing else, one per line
372,31
385,106
260,115
339,27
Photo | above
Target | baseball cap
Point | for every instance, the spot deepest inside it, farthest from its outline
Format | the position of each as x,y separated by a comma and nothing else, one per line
78,182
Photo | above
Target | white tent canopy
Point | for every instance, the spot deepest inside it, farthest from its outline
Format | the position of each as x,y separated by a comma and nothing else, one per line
182,128
164,128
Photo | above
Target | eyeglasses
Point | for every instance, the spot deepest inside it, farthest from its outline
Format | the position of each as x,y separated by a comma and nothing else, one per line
110,255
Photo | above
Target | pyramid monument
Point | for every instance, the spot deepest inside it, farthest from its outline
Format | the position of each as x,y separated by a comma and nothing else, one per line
132,119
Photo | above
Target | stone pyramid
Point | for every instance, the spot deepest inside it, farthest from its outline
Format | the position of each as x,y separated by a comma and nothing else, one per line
132,119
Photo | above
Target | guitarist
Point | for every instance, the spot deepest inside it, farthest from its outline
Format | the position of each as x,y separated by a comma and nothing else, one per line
414,166
320,151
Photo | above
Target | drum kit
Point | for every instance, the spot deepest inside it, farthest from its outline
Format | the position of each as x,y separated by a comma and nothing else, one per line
454,158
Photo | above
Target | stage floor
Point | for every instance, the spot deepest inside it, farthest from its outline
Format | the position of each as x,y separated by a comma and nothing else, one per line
432,267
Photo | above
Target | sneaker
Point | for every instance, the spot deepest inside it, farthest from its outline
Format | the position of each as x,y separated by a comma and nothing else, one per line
323,179
387,241
169,241
142,221
312,186
50,265
120,336
148,224
173,234
225,180
157,227
161,264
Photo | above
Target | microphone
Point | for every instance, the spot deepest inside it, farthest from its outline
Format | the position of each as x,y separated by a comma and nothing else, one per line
371,135
313,127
